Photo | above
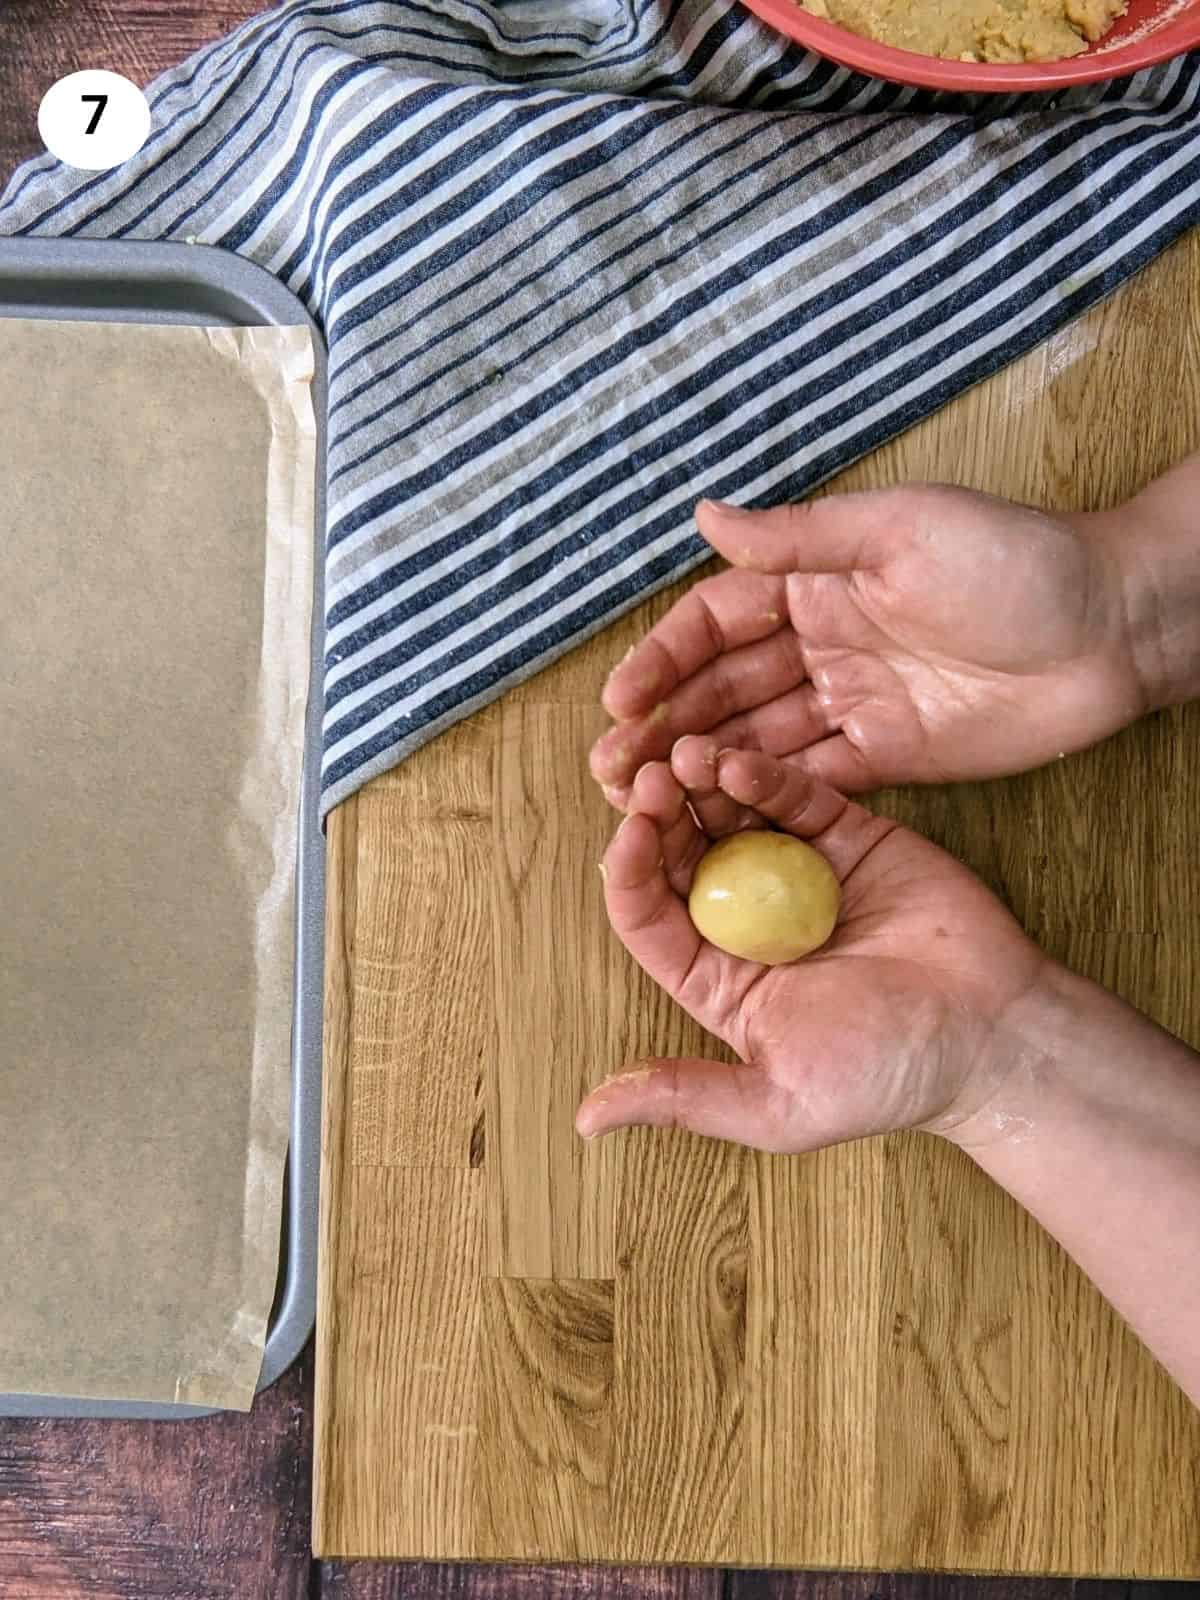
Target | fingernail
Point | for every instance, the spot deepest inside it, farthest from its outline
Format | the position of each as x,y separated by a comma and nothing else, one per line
602,869
614,761
708,757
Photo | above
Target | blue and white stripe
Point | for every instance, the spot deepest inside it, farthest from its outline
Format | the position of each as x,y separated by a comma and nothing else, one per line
579,264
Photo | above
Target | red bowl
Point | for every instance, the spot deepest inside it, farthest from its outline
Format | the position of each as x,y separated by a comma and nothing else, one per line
1151,31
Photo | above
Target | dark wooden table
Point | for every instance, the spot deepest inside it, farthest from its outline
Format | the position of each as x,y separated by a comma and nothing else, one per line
218,1509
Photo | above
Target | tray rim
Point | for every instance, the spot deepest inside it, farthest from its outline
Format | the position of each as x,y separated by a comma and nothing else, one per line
116,281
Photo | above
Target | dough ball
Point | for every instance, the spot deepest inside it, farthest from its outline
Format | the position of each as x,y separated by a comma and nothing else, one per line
764,897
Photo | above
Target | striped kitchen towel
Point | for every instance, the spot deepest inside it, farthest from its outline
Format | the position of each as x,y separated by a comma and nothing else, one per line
580,262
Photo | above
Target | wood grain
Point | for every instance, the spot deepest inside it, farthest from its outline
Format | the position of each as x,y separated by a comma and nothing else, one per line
945,1361
868,1357
414,1104
679,1400
399,1265
817,1266
550,1202
406,1413
926,1586
545,1455
334,1261
370,1580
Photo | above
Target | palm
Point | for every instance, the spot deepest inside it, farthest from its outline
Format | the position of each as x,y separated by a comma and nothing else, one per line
883,1028
919,635
930,664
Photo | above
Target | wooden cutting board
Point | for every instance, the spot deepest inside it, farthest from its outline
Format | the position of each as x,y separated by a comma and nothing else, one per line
662,1349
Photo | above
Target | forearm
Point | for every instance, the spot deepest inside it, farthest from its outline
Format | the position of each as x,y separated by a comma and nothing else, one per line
1096,1131
1154,543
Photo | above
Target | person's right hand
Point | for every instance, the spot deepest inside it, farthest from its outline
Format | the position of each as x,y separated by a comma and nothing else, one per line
918,634
904,1018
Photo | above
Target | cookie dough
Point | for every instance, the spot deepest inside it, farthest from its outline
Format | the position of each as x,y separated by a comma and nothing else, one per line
977,30
764,897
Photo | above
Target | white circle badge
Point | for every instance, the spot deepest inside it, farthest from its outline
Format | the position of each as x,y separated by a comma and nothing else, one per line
94,120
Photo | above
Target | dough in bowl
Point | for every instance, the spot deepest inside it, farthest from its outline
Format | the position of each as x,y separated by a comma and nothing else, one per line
977,30
765,897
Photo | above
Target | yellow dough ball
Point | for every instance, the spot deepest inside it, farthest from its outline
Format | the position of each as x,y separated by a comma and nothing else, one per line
764,897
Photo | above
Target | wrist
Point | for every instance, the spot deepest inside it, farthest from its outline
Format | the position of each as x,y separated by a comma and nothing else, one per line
1016,1070
1152,546
1072,1061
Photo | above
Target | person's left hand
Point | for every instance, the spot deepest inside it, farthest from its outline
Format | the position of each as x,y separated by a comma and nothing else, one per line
897,1022
921,634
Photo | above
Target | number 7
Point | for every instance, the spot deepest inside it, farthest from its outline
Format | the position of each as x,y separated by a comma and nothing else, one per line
100,101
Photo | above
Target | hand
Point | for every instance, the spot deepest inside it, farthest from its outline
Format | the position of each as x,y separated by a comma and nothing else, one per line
920,634
897,1022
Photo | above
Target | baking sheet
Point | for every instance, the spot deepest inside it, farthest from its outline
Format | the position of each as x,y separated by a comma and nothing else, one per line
137,281
152,709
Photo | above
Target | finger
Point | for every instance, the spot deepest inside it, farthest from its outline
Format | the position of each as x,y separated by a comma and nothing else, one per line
657,794
839,762
694,764
836,533
802,805
717,615
647,915
617,795
732,683
738,1102
782,726
651,921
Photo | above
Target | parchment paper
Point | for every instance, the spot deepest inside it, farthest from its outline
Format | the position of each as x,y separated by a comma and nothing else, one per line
156,527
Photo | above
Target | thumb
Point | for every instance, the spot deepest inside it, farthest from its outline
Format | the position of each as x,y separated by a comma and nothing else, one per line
837,533
738,1102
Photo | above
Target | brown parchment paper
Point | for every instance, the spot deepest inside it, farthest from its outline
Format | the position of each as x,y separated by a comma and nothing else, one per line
156,535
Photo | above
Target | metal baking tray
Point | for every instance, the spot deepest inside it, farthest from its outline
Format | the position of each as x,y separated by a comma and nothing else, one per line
98,281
